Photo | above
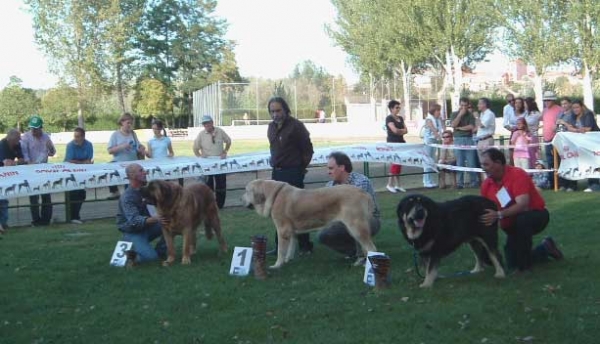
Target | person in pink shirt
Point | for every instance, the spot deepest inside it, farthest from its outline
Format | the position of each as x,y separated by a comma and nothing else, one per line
549,117
521,139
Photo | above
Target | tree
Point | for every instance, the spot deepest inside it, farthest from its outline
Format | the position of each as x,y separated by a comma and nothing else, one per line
584,19
69,32
152,99
536,32
60,106
16,104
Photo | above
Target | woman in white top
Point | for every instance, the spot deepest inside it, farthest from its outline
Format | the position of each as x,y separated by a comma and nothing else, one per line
432,131
159,147
533,117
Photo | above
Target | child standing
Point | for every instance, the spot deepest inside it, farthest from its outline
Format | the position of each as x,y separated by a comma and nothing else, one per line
447,158
520,139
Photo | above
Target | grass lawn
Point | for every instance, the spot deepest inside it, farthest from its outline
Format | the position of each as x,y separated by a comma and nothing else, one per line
57,287
184,148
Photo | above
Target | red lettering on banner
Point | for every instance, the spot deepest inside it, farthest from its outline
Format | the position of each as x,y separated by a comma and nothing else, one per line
47,171
597,153
66,170
385,149
79,170
565,148
9,174
569,155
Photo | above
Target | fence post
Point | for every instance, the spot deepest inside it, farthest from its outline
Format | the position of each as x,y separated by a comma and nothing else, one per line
67,207
366,169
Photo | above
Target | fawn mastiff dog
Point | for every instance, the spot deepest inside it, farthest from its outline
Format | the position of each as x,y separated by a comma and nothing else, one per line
296,211
184,209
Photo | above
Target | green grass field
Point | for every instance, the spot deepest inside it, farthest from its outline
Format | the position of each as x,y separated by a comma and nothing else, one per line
57,287
184,148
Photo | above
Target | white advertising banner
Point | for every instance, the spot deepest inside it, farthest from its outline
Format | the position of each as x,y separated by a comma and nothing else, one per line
579,154
25,180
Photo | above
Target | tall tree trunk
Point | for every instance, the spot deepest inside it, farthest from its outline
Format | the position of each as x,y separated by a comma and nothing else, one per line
405,73
80,122
458,84
538,87
441,99
588,94
120,95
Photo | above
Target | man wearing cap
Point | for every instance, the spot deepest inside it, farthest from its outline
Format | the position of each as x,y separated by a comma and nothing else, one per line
37,147
509,121
10,149
213,143
549,117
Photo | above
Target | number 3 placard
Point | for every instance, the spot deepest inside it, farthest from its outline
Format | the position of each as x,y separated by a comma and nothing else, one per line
119,258
241,261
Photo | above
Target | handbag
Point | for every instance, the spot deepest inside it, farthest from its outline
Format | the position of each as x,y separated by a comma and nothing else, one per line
140,156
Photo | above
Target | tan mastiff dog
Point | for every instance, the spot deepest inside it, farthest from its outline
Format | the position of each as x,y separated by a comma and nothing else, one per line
184,209
296,211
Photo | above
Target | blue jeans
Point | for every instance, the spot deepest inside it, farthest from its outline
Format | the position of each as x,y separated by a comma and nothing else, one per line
3,212
430,179
141,243
465,158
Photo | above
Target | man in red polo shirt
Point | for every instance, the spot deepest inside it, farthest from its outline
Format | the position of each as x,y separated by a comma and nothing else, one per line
522,211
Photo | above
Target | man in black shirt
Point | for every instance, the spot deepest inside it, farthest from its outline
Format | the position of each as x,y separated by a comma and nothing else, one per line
10,149
291,153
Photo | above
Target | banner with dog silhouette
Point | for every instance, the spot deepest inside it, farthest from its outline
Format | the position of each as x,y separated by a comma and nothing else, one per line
579,155
26,180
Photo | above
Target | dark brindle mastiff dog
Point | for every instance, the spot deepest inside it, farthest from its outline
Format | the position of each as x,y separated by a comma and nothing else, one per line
184,209
296,211
437,229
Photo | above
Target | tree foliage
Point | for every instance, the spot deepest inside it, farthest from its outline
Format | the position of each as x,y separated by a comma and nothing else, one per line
16,104
60,106
152,99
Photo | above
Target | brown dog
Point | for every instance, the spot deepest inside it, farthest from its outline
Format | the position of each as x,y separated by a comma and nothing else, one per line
297,211
183,209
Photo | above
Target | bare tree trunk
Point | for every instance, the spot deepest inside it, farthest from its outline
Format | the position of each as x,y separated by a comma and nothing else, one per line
538,87
406,76
588,94
80,122
457,69
120,95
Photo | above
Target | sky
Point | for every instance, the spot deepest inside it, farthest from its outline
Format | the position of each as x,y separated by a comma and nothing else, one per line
272,37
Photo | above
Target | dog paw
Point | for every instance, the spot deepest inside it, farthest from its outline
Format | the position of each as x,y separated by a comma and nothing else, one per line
274,267
500,274
475,271
426,285
186,261
168,262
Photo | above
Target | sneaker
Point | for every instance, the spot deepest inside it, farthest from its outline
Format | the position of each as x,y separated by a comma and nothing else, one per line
114,195
391,189
76,222
431,186
562,188
588,190
400,189
552,249
569,190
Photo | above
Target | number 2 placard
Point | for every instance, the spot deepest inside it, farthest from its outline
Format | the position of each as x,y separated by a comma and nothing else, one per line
241,261
119,258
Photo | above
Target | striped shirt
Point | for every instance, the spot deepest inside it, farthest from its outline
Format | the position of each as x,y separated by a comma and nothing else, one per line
36,150
361,182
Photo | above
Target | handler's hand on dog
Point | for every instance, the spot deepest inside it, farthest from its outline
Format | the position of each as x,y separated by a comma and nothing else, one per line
489,217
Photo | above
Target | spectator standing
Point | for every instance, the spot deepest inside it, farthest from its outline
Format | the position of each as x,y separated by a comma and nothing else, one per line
124,145
335,235
136,223
533,117
291,153
37,146
463,123
159,147
10,155
447,158
213,143
509,121
521,212
485,126
432,132
396,129
549,117
521,139
564,118
79,151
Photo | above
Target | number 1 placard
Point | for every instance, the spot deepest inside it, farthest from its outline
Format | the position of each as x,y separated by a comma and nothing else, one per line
241,261
119,258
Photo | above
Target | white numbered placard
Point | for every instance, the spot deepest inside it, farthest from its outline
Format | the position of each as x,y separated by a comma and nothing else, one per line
241,261
369,277
119,257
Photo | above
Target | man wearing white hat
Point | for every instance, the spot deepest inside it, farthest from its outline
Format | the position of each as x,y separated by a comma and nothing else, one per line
549,117
213,143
